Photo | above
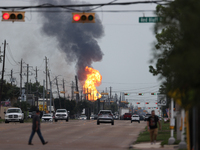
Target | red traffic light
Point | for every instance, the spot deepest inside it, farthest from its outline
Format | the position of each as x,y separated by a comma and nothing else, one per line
156,103
138,103
146,103
6,16
156,107
76,17
149,108
153,93
140,94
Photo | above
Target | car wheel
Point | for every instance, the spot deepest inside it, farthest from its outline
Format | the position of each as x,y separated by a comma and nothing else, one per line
6,121
138,121
56,120
98,123
67,119
21,121
112,123
131,121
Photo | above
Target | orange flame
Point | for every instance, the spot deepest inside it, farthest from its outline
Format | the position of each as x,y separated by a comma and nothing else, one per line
93,79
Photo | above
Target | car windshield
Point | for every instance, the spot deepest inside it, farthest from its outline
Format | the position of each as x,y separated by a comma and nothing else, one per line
127,113
13,111
135,115
46,115
61,110
105,112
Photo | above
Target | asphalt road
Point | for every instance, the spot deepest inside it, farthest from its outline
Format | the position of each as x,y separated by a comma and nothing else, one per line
72,135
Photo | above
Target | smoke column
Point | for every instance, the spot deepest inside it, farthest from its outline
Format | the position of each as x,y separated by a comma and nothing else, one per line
77,40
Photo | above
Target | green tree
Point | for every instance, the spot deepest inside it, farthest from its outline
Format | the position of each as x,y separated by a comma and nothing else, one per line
177,50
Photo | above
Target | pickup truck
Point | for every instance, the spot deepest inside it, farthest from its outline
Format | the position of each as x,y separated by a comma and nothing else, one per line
61,114
127,116
14,115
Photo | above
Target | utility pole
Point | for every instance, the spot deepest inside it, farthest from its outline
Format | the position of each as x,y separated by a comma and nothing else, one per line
36,78
11,77
43,94
21,78
77,94
72,87
46,70
27,79
64,92
110,92
1,88
51,90
58,91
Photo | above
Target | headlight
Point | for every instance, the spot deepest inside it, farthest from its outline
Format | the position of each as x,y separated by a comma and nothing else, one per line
20,115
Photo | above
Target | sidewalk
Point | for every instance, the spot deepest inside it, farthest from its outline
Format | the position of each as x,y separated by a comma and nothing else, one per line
157,146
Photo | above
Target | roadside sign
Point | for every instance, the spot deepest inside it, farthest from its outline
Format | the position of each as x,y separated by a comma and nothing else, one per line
161,100
149,19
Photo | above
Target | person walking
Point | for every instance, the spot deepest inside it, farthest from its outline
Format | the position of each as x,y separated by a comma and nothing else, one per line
36,128
152,126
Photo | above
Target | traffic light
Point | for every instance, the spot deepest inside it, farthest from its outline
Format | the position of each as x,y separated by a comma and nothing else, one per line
138,103
153,93
83,17
13,16
126,94
140,94
146,103
156,103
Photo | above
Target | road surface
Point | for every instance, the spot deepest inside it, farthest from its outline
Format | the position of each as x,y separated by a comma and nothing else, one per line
72,135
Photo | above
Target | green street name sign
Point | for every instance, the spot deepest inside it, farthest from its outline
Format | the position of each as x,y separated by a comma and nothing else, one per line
149,19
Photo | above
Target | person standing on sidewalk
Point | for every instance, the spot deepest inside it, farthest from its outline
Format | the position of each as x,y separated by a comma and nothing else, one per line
36,128
152,126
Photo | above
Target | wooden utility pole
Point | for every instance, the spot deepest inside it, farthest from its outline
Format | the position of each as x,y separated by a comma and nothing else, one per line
64,93
2,76
72,87
21,78
46,70
77,94
51,90
11,77
27,78
36,78
58,91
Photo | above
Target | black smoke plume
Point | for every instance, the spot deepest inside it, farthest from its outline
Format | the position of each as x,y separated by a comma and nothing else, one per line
77,40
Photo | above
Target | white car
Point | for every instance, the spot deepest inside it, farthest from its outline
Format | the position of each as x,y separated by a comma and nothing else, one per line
135,118
47,117
14,115
82,117
61,114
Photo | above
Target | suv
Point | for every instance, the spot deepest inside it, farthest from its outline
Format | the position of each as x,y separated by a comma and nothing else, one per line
135,118
61,114
105,116
14,115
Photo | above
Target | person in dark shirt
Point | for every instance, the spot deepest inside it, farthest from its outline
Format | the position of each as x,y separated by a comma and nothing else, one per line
152,126
36,128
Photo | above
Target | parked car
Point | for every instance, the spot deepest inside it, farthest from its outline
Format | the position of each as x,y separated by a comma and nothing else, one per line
135,118
116,117
142,117
95,117
92,117
127,116
29,114
147,116
105,116
14,115
47,117
82,117
61,114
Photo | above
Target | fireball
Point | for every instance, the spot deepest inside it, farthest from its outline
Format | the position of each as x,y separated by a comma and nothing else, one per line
93,79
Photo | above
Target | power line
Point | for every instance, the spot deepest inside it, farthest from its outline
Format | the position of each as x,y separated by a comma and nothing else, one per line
47,5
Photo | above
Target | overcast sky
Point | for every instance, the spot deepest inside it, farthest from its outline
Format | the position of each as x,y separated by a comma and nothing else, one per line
127,46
